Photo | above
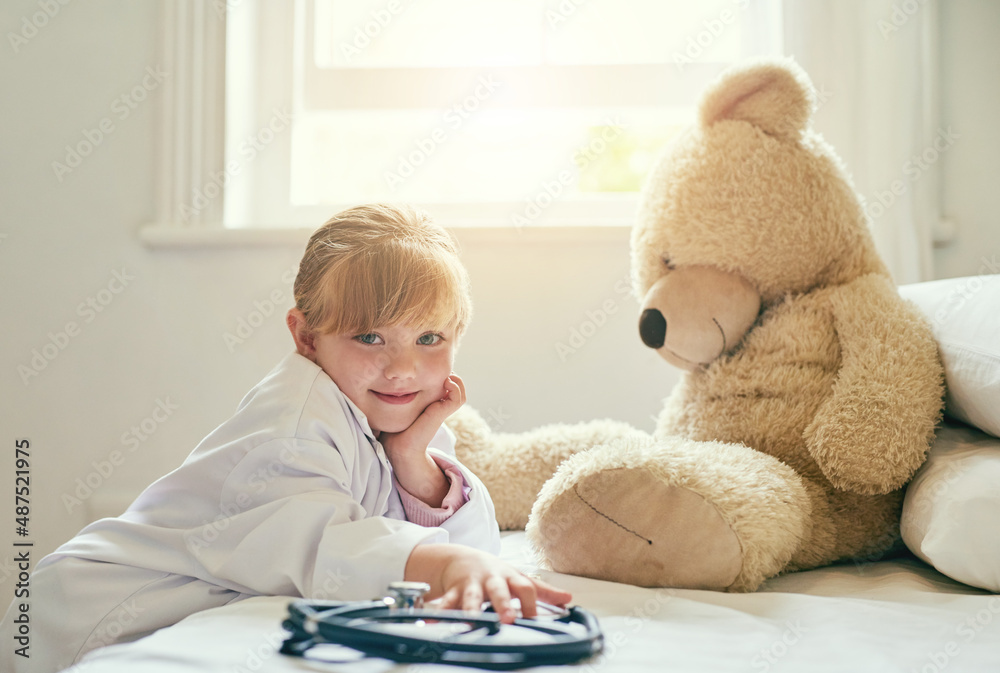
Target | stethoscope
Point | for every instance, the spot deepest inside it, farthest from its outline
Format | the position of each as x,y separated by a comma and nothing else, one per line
397,627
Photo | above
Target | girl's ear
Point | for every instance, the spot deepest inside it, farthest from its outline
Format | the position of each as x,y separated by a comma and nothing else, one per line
304,337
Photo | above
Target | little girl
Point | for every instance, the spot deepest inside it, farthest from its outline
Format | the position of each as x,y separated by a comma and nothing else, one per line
334,477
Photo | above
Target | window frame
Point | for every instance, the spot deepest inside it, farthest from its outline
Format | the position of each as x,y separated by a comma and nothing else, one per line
198,203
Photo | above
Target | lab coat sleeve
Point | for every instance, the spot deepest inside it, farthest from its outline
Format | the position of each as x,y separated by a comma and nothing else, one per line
293,527
475,523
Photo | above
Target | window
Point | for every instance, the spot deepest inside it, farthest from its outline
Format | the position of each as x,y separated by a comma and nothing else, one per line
491,113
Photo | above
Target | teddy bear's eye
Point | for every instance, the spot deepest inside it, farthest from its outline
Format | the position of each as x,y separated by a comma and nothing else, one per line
667,263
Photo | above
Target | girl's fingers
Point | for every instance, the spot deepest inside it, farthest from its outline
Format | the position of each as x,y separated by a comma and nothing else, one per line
457,380
550,594
454,389
499,596
524,590
469,576
451,390
449,601
472,597
453,396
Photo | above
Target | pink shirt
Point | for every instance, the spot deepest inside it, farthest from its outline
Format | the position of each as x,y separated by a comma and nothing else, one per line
419,512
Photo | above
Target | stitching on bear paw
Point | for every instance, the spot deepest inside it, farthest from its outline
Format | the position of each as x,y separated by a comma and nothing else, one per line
600,513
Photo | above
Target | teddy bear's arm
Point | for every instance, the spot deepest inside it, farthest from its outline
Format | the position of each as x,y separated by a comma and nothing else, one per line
873,431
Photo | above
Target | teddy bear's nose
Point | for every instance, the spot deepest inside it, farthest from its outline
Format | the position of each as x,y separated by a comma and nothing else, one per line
652,328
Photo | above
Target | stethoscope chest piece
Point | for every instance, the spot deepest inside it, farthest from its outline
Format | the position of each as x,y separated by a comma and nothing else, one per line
407,596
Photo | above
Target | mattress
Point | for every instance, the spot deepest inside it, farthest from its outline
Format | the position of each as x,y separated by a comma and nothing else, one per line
898,615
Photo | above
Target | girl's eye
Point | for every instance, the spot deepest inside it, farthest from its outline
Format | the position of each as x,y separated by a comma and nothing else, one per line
370,339
428,339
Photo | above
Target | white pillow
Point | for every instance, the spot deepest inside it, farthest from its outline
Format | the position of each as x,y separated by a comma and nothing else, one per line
965,316
952,506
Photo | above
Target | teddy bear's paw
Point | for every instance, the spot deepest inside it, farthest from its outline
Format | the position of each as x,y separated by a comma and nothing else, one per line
627,525
674,512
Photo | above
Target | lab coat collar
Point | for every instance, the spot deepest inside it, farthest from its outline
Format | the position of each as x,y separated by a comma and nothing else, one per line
358,414
325,380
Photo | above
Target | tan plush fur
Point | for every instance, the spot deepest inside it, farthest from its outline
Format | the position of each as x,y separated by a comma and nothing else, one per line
786,450
513,466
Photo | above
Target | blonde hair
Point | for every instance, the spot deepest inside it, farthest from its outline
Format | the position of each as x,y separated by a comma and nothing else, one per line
382,265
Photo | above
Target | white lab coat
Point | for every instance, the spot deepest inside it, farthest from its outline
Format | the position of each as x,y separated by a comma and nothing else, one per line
292,496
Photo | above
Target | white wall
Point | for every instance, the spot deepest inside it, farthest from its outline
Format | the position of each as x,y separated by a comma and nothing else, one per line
159,341
971,107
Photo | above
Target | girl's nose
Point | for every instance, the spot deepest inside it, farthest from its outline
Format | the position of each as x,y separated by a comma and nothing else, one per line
400,364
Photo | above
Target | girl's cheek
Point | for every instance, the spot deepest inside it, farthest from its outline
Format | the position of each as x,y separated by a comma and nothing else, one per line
371,366
449,358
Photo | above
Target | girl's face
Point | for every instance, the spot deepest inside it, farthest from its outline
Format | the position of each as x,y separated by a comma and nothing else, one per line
391,374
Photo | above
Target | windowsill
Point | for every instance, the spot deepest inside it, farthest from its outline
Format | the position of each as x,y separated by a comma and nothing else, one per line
168,237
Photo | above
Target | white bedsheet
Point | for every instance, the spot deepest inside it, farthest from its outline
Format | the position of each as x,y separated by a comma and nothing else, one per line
887,616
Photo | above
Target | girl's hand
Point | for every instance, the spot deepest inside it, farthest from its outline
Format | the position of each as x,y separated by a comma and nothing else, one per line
420,433
465,577
407,450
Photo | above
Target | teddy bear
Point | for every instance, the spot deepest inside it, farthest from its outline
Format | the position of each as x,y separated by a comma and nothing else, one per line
810,391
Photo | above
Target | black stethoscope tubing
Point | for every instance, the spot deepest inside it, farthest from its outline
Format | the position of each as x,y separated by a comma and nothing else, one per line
356,625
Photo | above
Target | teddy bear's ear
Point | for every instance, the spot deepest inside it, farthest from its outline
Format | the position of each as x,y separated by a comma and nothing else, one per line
774,95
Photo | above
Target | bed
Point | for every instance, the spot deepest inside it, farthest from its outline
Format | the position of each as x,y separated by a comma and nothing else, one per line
936,609
899,615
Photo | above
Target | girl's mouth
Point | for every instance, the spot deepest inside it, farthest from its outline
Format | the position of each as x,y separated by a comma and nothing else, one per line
389,398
